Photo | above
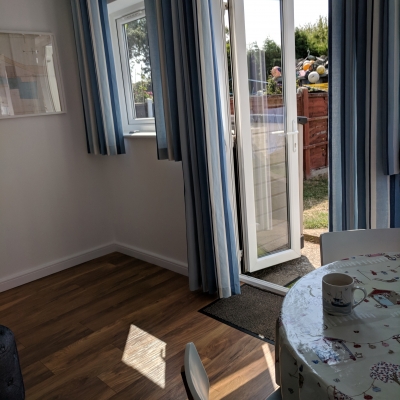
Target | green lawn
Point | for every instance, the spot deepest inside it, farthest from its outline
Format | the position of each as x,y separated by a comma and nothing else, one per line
315,196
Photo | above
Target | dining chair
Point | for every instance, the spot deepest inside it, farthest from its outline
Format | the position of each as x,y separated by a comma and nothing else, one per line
194,375
335,246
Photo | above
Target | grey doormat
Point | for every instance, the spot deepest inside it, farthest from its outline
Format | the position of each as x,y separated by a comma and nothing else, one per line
254,312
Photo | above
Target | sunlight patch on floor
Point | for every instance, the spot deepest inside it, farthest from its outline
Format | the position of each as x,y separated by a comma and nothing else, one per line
268,354
270,360
240,377
146,354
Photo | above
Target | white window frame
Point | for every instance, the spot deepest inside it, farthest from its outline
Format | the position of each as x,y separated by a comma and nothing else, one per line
242,119
131,125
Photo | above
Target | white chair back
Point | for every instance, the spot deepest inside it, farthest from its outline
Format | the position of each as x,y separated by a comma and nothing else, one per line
196,376
338,245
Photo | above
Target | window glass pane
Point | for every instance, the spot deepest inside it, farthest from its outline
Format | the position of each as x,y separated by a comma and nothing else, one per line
267,113
139,67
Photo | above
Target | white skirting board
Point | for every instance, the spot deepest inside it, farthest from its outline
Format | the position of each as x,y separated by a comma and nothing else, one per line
41,271
152,258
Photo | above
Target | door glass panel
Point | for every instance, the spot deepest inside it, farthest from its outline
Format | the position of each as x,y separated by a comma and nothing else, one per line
267,119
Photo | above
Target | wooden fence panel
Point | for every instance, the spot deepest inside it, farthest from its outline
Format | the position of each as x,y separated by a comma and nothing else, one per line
315,139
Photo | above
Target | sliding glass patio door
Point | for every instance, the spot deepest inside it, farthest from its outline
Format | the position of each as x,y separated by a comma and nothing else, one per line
265,122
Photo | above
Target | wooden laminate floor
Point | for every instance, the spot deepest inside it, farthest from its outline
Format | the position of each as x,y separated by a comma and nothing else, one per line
116,328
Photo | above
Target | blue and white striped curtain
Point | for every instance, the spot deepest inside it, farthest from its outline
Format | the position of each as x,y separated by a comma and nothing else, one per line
104,132
364,114
188,64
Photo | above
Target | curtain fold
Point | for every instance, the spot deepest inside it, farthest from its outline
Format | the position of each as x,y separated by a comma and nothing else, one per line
186,41
104,132
364,109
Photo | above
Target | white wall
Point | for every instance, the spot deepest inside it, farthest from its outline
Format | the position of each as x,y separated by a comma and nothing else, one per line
51,190
149,206
57,203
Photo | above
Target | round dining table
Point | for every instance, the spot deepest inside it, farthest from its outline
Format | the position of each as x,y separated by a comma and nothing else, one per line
319,356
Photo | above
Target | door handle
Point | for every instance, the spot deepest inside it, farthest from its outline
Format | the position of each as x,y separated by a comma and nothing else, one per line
293,133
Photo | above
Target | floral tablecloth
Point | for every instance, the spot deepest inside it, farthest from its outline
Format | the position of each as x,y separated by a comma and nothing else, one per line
353,357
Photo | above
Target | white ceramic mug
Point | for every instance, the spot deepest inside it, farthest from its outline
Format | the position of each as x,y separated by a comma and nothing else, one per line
338,294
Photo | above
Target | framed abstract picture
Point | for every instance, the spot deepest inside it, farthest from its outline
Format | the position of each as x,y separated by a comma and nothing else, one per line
30,79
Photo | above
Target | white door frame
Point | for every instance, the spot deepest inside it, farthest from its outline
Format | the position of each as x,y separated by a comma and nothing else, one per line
244,144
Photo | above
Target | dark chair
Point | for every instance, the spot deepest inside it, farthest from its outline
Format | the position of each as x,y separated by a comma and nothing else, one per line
276,395
11,383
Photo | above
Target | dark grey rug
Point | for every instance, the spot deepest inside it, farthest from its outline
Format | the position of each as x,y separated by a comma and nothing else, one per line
254,312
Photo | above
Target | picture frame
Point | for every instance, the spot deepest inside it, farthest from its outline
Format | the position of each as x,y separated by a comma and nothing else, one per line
30,75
